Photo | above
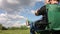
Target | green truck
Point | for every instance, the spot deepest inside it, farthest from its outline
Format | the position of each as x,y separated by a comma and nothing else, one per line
54,16
53,19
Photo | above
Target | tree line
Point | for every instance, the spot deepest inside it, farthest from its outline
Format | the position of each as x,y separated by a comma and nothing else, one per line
13,28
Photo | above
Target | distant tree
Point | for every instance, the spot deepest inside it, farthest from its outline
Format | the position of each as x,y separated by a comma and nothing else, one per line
24,27
17,28
4,28
13,28
0,26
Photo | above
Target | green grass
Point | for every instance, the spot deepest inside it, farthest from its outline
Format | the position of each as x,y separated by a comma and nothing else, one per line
14,31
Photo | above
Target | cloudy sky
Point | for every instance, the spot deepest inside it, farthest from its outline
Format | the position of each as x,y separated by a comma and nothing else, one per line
15,12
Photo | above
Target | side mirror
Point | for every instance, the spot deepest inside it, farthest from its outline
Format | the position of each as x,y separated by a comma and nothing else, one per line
27,22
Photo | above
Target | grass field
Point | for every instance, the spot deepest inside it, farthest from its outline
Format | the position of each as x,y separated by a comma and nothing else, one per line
14,31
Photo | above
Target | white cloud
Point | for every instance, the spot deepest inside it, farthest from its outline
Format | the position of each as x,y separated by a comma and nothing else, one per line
15,16
3,17
17,24
33,11
8,20
23,23
13,1
38,0
0,2
3,14
13,6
